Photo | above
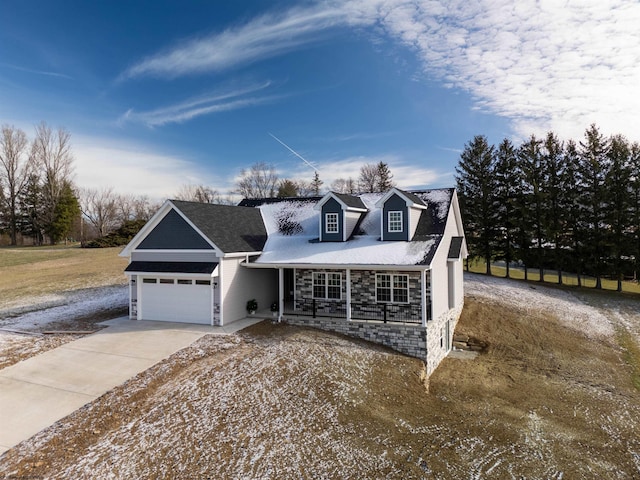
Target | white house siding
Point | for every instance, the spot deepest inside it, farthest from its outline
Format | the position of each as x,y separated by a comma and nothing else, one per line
350,220
173,256
440,329
240,284
413,220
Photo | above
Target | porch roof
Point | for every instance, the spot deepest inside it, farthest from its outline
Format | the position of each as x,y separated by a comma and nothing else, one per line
172,267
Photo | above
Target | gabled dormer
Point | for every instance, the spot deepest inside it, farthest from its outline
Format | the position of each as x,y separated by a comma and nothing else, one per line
399,215
339,215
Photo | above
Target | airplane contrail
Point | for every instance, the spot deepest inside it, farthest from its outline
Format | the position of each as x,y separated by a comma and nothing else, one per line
292,151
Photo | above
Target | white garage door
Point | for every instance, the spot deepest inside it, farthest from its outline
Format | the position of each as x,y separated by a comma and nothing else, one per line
170,300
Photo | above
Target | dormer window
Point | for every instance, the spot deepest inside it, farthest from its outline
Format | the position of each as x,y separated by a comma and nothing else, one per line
331,223
395,221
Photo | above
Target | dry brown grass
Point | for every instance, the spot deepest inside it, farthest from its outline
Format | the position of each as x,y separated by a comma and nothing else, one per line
32,272
286,402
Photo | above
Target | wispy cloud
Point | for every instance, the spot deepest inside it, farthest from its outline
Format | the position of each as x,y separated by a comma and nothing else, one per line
36,72
543,65
263,37
220,101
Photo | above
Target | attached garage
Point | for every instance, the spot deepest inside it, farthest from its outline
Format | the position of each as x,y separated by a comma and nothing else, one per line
175,291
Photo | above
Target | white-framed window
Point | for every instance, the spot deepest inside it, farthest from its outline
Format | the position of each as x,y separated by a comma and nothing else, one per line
331,223
327,285
394,220
392,288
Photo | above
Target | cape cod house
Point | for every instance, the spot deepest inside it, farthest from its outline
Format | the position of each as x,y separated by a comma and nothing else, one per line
382,267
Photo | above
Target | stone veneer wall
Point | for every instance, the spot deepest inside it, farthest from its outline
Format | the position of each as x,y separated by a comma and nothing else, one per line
436,351
363,286
408,339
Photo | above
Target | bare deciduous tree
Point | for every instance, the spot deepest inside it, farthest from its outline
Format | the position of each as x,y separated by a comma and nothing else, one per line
368,179
15,168
260,181
100,207
344,185
52,156
198,193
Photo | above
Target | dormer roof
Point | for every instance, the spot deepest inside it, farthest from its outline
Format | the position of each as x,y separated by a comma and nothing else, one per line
348,202
411,199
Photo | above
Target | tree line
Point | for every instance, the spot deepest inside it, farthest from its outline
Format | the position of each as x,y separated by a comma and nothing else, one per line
39,199
550,204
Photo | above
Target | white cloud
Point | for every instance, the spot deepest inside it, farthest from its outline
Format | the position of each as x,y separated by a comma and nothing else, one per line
263,37
220,101
405,175
543,65
134,168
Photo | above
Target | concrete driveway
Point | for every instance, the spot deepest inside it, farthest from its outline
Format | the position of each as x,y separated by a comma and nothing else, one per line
39,391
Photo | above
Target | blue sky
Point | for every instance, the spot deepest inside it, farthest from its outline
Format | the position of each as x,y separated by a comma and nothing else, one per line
161,94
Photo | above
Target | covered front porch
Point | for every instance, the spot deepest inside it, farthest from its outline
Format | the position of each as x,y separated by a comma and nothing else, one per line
356,295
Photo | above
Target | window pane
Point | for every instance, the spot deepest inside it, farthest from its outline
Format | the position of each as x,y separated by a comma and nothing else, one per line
331,220
319,282
400,288
395,221
383,288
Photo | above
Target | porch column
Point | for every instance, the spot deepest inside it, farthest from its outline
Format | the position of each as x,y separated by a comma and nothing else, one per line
348,279
280,293
423,297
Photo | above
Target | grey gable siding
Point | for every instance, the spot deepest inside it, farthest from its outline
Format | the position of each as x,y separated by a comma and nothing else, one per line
174,233
395,203
332,206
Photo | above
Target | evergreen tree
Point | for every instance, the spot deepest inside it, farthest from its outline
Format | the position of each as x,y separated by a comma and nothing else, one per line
287,188
618,204
66,212
530,160
31,205
476,186
570,198
507,189
592,170
316,183
554,165
384,178
634,186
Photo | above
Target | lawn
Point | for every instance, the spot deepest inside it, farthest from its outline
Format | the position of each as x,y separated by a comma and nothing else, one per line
551,276
28,273
555,395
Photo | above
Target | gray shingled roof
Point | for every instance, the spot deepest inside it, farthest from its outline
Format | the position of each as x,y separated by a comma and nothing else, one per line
230,228
455,247
411,196
350,200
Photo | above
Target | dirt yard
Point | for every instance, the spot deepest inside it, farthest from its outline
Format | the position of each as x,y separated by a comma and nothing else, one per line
550,398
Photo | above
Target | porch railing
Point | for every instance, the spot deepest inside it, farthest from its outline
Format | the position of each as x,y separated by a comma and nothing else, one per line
379,312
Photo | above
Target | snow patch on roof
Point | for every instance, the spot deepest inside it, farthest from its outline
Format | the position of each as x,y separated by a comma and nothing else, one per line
439,199
361,250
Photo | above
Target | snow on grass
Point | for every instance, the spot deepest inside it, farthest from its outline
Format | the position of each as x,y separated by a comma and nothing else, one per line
568,308
66,305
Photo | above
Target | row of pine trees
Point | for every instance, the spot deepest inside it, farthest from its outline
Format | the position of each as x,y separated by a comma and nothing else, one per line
548,204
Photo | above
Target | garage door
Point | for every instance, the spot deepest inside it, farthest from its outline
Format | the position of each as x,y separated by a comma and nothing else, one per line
172,300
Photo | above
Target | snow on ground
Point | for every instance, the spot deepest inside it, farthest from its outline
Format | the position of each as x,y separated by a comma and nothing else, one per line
63,306
565,306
